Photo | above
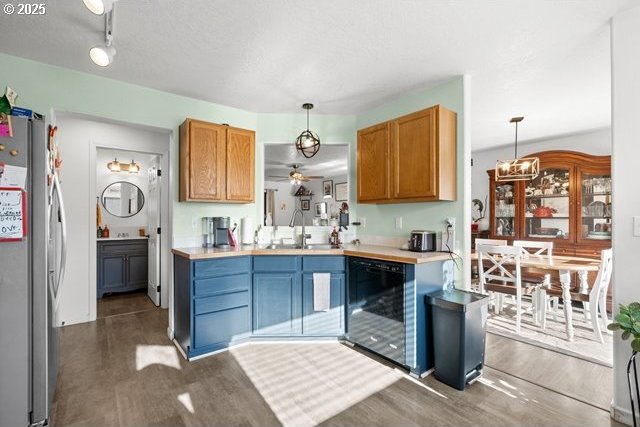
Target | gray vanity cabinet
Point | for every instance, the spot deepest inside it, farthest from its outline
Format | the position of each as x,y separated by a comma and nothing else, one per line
122,265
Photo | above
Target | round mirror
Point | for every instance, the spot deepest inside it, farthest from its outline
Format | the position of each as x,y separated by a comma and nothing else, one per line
122,199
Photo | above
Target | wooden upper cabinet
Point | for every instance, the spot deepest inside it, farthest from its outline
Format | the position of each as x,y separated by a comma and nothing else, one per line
420,154
240,165
373,163
217,163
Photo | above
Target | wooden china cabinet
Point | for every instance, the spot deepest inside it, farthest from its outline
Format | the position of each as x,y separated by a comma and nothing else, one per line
569,202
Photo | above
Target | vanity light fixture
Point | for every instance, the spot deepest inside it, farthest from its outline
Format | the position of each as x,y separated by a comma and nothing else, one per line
102,55
99,6
517,169
308,143
116,166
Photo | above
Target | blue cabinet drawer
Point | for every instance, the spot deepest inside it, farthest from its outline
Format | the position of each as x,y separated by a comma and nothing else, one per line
320,263
222,284
276,263
221,302
222,266
221,327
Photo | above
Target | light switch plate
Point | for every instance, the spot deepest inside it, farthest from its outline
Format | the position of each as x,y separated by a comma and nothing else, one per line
399,222
636,226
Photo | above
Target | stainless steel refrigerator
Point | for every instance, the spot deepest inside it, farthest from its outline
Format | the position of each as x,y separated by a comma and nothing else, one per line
31,275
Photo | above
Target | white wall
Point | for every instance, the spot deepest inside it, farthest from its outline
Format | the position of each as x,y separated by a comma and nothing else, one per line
104,178
78,139
625,39
597,142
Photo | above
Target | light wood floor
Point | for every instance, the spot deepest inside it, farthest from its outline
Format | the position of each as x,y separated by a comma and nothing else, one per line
123,371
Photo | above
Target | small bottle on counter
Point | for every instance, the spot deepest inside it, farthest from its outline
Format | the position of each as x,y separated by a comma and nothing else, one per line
105,231
333,238
99,232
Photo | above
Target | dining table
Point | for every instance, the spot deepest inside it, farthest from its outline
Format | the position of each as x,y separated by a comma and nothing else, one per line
565,266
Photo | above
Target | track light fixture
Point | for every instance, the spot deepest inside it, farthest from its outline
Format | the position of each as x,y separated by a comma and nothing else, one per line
102,55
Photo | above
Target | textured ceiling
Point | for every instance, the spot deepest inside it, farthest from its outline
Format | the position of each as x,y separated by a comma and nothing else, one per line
546,60
330,161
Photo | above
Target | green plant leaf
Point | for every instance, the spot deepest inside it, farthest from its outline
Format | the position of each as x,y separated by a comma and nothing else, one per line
635,344
634,306
624,320
626,335
613,326
636,328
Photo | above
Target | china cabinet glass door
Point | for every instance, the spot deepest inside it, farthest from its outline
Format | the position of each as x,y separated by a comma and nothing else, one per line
505,210
547,205
595,215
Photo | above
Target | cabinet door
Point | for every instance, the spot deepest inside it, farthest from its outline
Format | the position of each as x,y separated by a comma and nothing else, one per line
323,322
206,154
373,163
414,156
277,302
113,272
137,270
240,165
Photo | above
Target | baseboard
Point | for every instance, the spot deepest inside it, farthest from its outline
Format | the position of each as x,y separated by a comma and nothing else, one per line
621,415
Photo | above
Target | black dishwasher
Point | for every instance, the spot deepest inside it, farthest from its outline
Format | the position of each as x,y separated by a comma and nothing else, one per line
376,310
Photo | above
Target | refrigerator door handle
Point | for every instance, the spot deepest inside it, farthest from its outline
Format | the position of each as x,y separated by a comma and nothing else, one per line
56,287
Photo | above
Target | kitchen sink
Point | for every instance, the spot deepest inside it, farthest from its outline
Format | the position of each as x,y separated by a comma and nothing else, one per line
289,246
320,246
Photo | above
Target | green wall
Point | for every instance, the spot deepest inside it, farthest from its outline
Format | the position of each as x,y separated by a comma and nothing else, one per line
380,219
45,88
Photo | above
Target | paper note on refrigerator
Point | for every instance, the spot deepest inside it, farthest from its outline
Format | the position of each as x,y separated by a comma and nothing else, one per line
12,176
12,214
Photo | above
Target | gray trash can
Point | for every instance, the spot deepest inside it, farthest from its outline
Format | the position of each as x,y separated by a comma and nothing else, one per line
459,320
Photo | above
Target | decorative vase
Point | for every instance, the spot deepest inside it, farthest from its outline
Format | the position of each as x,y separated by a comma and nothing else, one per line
474,227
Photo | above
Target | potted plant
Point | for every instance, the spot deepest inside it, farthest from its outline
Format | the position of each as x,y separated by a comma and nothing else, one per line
628,321
481,207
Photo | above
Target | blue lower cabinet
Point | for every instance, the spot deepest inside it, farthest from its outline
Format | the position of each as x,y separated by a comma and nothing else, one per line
219,328
323,323
277,303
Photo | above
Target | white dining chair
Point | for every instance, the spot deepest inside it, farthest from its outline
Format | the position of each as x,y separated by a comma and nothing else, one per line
540,299
597,296
501,274
475,285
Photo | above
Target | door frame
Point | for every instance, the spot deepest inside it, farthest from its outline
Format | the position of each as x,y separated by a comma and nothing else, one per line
161,148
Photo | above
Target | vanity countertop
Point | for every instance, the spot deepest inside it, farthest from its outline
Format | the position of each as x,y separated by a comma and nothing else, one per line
104,239
385,253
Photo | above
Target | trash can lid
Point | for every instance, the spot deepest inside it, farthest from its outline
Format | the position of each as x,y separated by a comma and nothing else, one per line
457,300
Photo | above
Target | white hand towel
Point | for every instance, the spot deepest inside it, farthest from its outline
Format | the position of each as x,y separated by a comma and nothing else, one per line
321,291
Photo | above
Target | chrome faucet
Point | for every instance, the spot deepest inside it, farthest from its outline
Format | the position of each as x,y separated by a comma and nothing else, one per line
292,224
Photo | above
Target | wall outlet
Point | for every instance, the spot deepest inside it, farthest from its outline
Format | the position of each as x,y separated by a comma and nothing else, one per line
194,222
451,221
448,240
399,222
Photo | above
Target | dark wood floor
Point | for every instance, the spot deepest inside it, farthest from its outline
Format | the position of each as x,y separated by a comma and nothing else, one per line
123,371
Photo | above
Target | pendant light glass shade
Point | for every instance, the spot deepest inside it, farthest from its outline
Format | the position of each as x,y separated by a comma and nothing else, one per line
308,143
114,166
99,7
134,167
517,169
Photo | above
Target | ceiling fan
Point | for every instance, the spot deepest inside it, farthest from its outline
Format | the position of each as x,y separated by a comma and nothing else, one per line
295,176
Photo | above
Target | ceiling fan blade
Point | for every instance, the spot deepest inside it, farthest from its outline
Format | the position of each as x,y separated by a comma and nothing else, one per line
314,177
277,176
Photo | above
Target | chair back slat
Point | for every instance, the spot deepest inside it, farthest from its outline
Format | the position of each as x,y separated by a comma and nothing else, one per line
531,247
502,264
604,275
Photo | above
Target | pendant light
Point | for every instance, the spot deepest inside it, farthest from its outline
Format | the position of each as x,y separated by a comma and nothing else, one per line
308,143
517,169
134,167
99,7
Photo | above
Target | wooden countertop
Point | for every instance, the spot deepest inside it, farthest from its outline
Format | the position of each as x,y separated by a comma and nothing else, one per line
384,253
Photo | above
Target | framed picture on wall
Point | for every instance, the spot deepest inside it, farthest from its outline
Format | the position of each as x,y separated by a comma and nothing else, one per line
321,208
304,205
342,192
327,189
